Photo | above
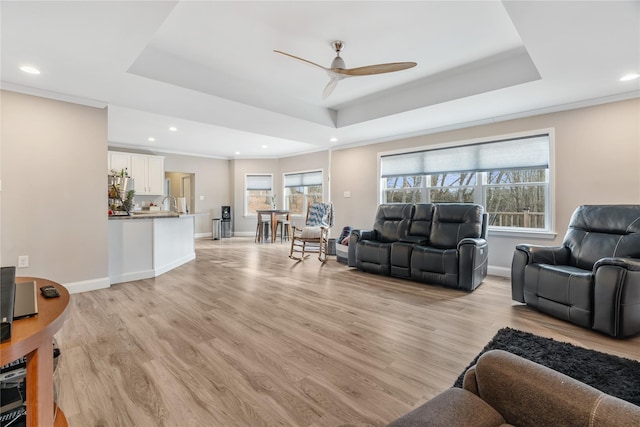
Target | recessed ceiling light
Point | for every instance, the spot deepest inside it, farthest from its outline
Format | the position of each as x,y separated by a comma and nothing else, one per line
152,139
628,77
265,146
173,128
29,69
237,153
333,139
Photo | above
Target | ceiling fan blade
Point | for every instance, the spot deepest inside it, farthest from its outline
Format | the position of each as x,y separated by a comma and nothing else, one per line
303,60
330,87
375,69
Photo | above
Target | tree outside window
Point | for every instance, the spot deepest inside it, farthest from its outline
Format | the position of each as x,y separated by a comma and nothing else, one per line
509,176
302,188
258,193
512,198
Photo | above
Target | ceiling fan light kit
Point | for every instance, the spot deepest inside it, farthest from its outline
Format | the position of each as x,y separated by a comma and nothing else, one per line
338,70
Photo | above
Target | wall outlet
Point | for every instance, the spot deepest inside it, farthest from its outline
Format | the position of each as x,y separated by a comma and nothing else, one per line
201,197
347,194
23,261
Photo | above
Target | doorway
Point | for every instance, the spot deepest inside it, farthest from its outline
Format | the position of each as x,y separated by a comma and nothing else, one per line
182,184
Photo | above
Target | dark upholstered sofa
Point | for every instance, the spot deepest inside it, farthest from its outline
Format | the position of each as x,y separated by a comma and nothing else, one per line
505,389
593,279
443,244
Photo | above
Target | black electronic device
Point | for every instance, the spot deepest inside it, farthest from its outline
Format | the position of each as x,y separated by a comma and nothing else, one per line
16,417
226,213
49,291
7,298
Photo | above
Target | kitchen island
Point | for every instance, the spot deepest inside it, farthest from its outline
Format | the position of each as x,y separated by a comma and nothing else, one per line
145,245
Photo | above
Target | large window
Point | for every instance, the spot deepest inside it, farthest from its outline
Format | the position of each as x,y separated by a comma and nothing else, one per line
300,189
510,178
258,193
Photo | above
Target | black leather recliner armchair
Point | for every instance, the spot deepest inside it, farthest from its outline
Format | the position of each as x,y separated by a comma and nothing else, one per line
593,279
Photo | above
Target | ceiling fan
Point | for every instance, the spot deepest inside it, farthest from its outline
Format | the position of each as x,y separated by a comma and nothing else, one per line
338,70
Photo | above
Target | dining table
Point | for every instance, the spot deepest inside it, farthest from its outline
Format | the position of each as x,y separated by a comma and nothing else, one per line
274,214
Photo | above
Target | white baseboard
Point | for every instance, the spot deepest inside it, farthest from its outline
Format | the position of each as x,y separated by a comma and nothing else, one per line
130,277
177,263
148,274
202,235
88,285
243,233
499,271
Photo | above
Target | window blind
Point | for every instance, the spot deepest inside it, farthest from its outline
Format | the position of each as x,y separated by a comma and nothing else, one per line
259,182
520,153
303,179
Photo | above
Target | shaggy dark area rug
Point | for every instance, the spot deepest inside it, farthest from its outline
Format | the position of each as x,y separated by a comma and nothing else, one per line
611,374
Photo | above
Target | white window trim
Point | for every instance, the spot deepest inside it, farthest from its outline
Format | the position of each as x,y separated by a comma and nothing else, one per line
246,213
284,189
550,212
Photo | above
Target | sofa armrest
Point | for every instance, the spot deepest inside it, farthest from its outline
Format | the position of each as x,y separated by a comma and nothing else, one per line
533,254
616,296
452,407
555,255
527,393
354,238
632,264
472,241
473,260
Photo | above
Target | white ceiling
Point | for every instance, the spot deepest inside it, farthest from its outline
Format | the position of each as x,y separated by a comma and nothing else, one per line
208,67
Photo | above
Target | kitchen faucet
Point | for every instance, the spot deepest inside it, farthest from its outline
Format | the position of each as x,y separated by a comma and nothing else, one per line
173,208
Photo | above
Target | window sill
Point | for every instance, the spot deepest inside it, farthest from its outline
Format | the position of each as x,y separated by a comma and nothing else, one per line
528,234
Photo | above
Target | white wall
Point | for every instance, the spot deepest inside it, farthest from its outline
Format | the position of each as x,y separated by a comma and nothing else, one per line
597,160
245,225
54,206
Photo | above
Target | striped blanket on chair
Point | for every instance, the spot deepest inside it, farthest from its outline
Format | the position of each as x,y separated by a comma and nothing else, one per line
320,214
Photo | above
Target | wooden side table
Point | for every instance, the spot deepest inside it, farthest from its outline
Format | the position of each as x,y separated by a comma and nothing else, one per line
33,337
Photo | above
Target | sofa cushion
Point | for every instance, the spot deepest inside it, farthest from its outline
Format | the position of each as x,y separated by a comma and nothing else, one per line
602,231
311,232
420,227
435,266
392,222
561,290
453,407
401,259
373,256
453,222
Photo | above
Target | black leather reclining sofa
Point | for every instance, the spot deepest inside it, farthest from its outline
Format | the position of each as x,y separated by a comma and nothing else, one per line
442,244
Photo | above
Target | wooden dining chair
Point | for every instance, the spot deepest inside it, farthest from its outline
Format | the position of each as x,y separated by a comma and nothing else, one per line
263,227
284,225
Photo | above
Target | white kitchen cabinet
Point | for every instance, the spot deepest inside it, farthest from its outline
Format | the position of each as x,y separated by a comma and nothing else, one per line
148,174
155,175
119,161
147,171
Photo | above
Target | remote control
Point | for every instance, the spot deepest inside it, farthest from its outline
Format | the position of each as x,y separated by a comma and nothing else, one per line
49,291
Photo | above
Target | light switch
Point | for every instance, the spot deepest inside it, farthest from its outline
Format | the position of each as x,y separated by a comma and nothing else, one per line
201,197
347,194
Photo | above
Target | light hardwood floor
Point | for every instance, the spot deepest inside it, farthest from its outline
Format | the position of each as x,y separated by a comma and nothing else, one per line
244,336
